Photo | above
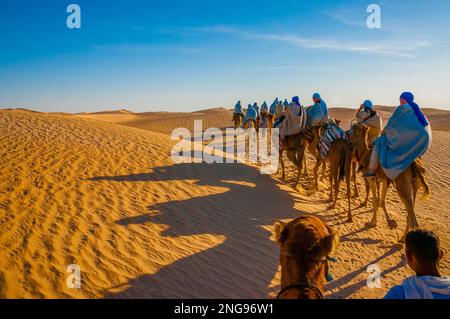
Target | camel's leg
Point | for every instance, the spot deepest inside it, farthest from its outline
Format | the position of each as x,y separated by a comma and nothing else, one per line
283,176
349,203
331,184
373,190
383,191
337,184
305,167
355,184
366,200
416,186
293,157
316,174
348,165
324,167
405,191
300,156
334,183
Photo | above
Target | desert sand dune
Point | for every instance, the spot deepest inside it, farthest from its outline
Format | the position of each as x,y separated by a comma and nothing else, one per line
165,122
74,189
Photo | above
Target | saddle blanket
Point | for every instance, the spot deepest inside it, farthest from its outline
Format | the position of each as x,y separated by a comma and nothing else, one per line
331,133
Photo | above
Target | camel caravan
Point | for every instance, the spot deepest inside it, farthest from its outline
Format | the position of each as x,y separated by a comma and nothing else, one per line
384,156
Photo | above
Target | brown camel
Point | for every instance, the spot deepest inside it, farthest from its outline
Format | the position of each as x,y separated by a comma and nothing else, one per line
373,133
270,120
313,135
237,120
295,146
251,124
406,184
305,246
339,157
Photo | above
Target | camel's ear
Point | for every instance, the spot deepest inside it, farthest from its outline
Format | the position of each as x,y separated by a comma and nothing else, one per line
338,122
280,231
330,243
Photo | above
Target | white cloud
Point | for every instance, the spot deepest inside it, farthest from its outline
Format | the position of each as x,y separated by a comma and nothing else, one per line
146,48
386,48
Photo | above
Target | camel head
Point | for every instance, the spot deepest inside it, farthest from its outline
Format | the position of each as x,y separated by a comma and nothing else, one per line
358,137
305,244
338,122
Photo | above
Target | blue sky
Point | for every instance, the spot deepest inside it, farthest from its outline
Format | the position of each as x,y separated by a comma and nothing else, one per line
187,55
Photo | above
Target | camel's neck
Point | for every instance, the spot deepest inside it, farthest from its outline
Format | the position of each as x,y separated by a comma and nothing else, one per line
312,275
363,155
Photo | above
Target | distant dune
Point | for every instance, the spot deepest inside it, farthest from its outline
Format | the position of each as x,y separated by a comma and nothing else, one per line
165,122
100,190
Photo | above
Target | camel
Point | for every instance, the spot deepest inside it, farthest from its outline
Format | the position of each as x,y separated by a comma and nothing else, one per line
313,135
407,183
306,244
251,124
313,148
295,146
237,120
373,133
270,120
342,164
340,156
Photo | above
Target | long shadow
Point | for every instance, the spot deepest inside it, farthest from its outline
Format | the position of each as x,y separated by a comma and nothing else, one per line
244,264
348,291
367,241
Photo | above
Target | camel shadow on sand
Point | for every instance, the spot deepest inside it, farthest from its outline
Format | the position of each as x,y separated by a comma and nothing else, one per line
351,289
244,264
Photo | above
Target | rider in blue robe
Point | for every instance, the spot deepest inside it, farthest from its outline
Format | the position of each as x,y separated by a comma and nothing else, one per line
407,136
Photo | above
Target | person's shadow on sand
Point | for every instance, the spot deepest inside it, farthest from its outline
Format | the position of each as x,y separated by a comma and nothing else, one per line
244,264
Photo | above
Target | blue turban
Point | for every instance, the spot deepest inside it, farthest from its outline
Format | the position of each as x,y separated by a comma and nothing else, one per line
409,97
285,103
296,100
316,96
367,105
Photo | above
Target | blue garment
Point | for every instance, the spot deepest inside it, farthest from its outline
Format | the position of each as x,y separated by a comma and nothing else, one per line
398,292
273,106
263,123
238,108
285,103
256,107
296,100
368,105
409,97
404,140
264,107
251,114
278,122
317,113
